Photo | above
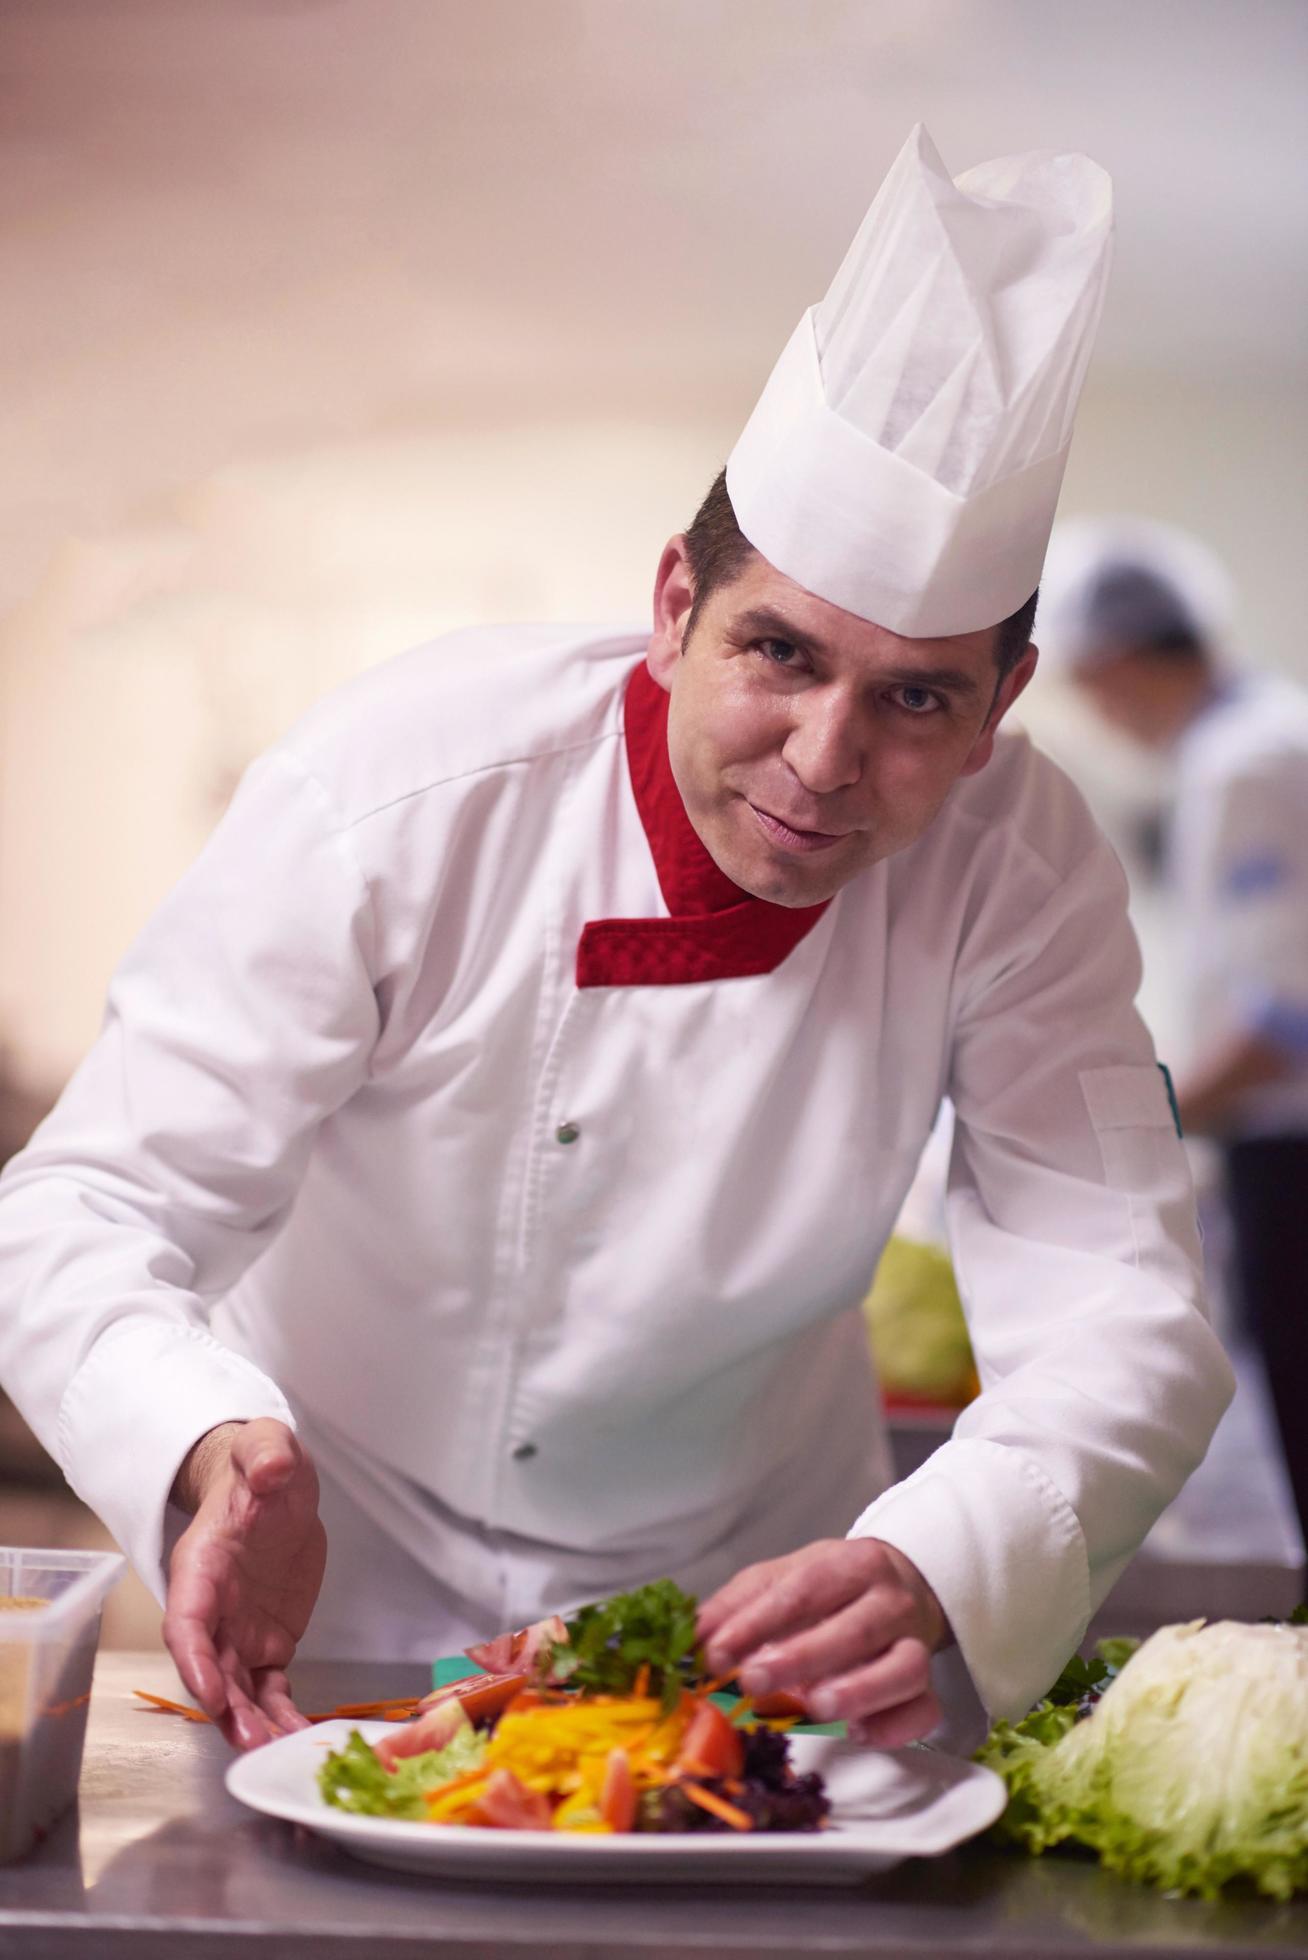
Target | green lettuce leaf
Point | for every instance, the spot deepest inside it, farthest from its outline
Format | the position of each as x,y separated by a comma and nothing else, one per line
352,1778
1190,1772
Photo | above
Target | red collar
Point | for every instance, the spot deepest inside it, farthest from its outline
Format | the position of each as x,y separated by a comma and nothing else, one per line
716,931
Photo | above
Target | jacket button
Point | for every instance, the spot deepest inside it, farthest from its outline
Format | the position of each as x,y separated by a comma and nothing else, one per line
524,1452
566,1133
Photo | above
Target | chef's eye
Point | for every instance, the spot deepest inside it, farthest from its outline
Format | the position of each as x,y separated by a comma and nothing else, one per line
780,652
916,700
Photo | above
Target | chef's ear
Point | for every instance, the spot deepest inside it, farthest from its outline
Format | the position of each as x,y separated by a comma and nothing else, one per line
1006,693
674,595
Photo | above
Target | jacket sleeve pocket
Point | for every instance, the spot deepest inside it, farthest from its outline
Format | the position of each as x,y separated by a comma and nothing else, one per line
1131,1114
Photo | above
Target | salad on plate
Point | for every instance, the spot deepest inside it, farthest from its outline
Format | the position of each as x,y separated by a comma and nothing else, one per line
603,1723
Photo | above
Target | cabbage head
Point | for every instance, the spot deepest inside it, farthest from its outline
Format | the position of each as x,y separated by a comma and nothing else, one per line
915,1322
1190,1771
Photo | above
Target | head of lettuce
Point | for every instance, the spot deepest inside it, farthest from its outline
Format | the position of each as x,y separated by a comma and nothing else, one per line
1190,1772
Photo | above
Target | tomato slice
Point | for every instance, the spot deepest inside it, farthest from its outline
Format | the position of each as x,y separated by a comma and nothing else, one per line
508,1805
496,1656
779,1704
433,1729
618,1798
711,1746
481,1696
509,1651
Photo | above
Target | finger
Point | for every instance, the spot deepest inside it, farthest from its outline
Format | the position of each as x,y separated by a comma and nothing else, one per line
200,1674
272,1694
899,1675
810,1587
859,1633
266,1455
245,1725
731,1598
193,1657
766,1601
188,1635
895,1728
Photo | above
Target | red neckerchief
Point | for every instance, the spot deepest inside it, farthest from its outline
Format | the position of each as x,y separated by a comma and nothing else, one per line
716,931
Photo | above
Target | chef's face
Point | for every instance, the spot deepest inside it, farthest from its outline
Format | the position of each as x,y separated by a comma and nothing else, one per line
806,742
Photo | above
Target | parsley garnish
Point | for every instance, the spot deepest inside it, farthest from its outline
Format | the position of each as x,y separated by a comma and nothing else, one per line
608,1644
1082,1682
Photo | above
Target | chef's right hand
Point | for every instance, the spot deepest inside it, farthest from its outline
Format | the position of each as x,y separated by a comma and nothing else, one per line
244,1575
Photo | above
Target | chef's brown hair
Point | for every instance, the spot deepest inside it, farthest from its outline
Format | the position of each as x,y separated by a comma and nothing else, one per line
718,550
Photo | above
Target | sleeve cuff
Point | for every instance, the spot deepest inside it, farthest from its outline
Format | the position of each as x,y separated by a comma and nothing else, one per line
147,1391
1002,1550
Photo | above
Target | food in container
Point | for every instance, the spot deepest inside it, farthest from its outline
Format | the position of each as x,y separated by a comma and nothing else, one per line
50,1606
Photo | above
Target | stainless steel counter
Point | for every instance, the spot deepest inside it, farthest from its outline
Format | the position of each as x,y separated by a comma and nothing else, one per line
161,1862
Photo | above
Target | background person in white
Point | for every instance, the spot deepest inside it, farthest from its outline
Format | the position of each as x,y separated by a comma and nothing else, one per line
1140,615
522,1085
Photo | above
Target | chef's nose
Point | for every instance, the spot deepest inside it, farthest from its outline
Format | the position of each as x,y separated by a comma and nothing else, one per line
825,746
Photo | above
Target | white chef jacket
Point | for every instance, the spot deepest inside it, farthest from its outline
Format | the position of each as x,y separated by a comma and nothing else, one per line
1239,857
560,1283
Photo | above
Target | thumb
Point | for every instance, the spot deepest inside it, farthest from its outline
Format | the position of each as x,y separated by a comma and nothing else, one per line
265,1455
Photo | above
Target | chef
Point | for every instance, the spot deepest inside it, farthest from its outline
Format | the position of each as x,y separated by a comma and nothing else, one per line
492,1137
1140,617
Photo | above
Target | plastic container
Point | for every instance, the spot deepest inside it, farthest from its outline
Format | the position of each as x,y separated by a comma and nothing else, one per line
50,1605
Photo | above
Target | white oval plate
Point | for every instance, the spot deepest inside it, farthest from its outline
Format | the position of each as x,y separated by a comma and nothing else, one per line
886,1805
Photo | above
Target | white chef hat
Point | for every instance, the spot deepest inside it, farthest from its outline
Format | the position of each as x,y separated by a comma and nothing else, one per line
1115,583
905,457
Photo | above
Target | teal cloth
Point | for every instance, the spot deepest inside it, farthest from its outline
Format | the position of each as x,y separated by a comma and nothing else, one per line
457,1667
453,1667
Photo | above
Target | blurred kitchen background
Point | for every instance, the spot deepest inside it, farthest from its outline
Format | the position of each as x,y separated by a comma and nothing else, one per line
329,324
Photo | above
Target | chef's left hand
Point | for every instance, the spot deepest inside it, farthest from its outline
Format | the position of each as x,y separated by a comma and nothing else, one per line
847,1624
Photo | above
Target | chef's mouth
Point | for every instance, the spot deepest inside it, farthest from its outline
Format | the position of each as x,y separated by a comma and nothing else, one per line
791,839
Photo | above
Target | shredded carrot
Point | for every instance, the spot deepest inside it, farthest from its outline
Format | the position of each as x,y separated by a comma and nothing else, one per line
739,1820
67,1707
640,1687
449,1803
460,1782
162,1705
398,1710
690,1766
402,1709
716,1685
